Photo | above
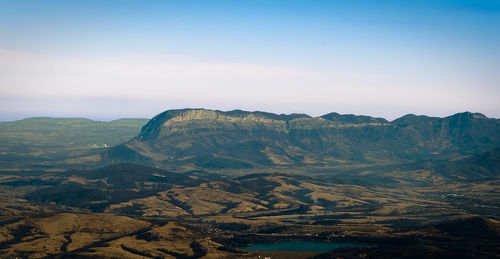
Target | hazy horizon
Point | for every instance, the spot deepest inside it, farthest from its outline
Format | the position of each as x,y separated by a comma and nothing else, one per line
104,119
105,60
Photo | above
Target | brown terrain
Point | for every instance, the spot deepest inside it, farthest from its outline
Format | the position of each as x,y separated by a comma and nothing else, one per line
200,184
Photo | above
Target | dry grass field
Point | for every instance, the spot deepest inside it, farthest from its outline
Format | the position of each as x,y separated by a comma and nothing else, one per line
102,235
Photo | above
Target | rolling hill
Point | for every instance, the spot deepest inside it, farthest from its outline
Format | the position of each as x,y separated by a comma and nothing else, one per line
418,191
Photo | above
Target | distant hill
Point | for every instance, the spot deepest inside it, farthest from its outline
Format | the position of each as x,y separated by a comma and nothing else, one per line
214,140
36,142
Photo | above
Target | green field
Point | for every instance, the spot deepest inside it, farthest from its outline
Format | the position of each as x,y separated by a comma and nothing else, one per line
42,143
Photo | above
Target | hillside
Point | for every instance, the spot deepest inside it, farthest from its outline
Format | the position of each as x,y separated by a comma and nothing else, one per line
473,237
408,192
482,167
206,139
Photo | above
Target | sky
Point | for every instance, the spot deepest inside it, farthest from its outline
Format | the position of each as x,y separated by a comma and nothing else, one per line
109,59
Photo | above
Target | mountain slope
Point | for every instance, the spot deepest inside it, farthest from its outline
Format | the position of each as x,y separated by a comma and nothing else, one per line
199,138
482,166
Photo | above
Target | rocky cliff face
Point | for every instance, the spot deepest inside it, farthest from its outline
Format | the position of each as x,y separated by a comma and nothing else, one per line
209,139
183,121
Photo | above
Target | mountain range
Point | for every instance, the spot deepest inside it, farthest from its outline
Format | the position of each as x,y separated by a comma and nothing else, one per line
191,139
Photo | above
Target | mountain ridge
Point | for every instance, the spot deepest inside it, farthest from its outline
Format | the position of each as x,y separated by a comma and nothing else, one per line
212,139
190,114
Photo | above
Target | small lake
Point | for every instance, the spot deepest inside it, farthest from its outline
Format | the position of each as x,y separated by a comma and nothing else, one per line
300,246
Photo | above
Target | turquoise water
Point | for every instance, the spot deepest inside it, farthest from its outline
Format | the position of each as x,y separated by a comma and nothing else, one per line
300,246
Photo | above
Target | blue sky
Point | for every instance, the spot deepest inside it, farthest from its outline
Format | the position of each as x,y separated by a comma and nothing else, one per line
109,59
